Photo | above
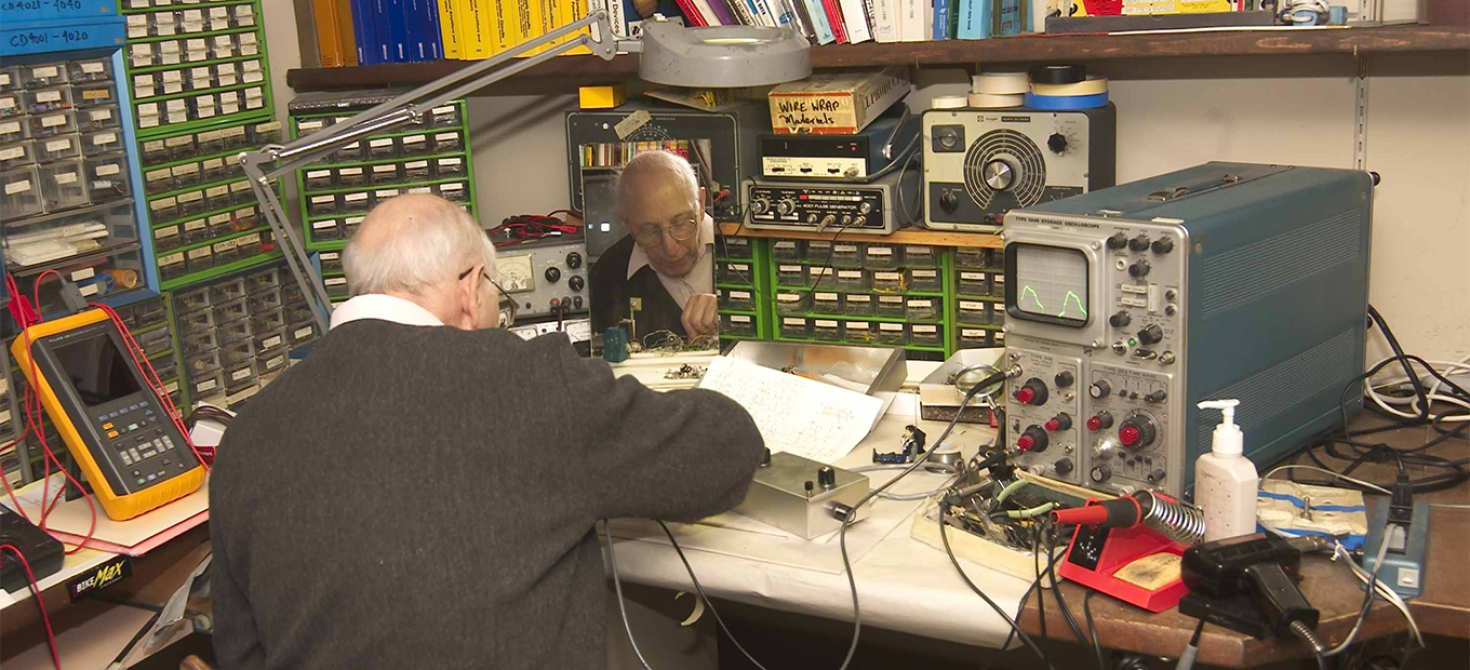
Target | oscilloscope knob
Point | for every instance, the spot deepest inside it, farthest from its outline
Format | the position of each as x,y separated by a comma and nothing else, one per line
785,206
1163,245
1100,389
553,275
1139,243
1137,432
1034,440
1064,466
1117,241
760,206
1121,319
1064,379
1033,392
1139,269
1100,421
1101,474
1151,334
576,283
1057,143
948,201
574,260
999,175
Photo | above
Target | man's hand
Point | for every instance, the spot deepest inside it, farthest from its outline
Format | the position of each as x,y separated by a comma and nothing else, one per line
701,316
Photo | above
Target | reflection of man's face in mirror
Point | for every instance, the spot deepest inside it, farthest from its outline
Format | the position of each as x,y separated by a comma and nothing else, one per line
663,214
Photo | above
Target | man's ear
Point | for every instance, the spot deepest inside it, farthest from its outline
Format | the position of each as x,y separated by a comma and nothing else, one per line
702,195
466,294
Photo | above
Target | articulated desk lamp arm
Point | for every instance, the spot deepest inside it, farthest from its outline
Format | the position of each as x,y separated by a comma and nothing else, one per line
270,162
723,57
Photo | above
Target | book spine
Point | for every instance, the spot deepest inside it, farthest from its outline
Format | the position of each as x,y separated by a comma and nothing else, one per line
433,34
361,33
834,17
503,30
856,19
328,45
413,29
781,11
449,30
691,14
618,17
887,19
741,12
913,20
820,25
396,18
941,20
801,19
525,21
722,12
479,27
573,11
975,16
762,13
1009,22
382,31
347,31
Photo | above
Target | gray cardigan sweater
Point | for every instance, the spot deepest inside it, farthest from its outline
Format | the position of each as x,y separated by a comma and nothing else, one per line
425,497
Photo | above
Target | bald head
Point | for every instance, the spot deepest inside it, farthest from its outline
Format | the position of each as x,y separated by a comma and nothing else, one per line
652,173
413,242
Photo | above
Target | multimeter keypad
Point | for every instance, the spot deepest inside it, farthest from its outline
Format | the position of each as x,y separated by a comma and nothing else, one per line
136,432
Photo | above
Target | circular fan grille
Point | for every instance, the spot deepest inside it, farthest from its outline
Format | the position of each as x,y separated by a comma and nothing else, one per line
1016,151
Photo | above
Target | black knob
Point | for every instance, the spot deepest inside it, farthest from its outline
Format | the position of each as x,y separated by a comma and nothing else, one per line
1138,269
948,202
1156,476
766,458
1062,421
1057,143
826,477
574,260
1137,432
1139,243
1156,396
577,302
1034,439
1064,466
553,275
1121,319
1064,379
1118,241
1100,389
1151,334
810,487
576,283
1163,245
1101,473
1033,392
1100,421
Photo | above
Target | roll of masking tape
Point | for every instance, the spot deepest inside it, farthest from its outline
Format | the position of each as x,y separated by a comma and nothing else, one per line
1000,83
1093,85
1035,101
949,102
995,101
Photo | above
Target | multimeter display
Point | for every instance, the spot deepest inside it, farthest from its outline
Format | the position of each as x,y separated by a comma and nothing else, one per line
126,443
97,369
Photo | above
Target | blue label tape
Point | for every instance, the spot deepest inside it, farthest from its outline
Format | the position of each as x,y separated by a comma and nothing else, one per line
1035,101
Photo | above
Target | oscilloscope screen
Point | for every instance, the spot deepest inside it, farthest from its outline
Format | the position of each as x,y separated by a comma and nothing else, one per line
1050,284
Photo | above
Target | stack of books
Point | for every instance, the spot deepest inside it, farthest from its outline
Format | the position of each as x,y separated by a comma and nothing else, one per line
368,32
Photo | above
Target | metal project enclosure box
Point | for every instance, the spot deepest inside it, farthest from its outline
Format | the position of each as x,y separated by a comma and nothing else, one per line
1129,305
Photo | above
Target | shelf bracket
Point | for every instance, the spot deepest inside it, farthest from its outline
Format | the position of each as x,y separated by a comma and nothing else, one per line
1360,114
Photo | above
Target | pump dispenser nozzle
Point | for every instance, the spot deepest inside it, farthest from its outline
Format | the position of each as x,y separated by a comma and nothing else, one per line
1228,438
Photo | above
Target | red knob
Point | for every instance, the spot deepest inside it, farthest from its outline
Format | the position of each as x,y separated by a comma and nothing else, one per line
1025,443
1100,421
1094,424
1128,435
1053,425
1025,395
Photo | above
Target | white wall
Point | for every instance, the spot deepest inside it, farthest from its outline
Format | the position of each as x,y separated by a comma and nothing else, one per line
1168,118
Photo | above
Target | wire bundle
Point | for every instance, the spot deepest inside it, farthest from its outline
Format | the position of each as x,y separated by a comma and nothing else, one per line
530,227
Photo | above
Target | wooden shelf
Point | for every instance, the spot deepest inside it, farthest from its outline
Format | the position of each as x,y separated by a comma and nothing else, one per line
938,238
1027,48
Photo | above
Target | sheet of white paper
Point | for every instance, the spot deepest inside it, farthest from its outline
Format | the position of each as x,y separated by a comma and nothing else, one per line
795,414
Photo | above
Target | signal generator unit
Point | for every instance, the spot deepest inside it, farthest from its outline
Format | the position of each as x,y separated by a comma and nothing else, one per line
1130,305
981,163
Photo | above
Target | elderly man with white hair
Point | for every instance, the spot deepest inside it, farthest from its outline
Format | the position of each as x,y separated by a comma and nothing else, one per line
420,492
667,259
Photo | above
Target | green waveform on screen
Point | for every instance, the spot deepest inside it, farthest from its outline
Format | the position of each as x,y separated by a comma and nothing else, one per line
1066,301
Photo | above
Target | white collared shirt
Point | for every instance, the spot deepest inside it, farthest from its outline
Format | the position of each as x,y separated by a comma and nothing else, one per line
701,278
383,308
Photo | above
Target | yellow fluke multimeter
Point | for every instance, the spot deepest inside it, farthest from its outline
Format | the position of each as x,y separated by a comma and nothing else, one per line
111,420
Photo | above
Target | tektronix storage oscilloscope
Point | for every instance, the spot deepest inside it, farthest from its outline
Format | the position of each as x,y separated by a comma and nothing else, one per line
1129,305
113,424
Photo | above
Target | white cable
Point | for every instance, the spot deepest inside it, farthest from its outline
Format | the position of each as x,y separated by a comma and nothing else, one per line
1432,393
1382,552
1330,473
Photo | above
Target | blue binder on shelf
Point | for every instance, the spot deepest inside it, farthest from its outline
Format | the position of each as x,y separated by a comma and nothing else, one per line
975,19
362,30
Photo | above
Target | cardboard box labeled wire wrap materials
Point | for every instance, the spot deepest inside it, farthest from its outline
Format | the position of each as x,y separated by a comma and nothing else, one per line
836,104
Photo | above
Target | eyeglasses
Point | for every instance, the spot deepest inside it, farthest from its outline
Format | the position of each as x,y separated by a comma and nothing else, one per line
680,231
507,304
